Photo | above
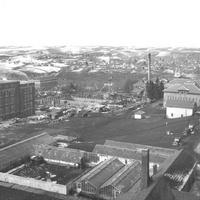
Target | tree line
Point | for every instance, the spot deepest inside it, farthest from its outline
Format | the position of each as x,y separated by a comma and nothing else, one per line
155,89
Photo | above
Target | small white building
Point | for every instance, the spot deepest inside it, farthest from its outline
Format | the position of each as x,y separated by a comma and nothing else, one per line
139,114
179,108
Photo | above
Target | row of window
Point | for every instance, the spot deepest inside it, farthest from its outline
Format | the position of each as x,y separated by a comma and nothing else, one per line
7,93
183,98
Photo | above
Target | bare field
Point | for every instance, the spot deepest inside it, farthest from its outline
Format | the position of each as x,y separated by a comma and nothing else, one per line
92,130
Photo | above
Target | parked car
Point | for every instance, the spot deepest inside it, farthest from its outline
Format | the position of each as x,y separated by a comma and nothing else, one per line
186,132
177,141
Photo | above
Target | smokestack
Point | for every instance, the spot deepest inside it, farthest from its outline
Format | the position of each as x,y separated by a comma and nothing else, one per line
145,169
155,169
149,67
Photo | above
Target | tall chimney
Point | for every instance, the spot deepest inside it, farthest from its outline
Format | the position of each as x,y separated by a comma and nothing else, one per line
145,169
149,67
155,169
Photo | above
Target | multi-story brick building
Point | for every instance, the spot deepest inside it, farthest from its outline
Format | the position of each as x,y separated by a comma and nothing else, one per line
9,99
46,83
27,99
16,100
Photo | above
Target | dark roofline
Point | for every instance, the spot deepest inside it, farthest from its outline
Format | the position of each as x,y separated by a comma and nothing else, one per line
9,81
178,92
179,104
120,175
143,146
156,179
136,154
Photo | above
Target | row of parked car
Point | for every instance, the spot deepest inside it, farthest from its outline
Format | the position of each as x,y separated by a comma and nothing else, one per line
190,130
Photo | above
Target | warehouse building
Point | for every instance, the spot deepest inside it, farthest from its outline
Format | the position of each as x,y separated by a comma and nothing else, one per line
17,99
122,181
98,181
129,151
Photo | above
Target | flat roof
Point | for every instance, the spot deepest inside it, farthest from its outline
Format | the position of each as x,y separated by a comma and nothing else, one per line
126,153
165,152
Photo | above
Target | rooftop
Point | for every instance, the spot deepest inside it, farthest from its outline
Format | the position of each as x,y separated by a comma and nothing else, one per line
108,171
165,152
125,153
126,177
183,85
180,104
8,81
59,154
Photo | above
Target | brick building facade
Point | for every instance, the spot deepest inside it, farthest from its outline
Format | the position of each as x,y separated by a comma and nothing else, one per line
27,99
9,99
16,99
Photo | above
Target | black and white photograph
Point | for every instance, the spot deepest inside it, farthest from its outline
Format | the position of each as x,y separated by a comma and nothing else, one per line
99,100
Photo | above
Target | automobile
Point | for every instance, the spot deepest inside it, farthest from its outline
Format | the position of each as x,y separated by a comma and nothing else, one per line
186,132
192,132
169,133
177,141
191,127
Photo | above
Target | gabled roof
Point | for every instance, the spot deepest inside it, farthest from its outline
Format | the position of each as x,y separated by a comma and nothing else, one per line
59,154
102,172
183,88
182,81
107,172
176,85
126,177
140,112
180,104
192,89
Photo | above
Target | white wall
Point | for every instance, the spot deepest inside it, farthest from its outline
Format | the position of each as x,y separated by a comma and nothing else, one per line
178,112
138,116
33,183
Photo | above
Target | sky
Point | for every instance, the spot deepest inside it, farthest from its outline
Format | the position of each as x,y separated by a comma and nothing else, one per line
139,23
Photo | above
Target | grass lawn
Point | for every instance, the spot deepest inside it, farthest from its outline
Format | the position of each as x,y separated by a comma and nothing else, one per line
92,130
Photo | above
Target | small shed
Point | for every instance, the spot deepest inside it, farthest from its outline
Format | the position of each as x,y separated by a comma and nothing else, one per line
139,114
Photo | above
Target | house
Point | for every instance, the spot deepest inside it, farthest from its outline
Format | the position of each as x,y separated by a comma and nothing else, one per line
179,108
139,114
